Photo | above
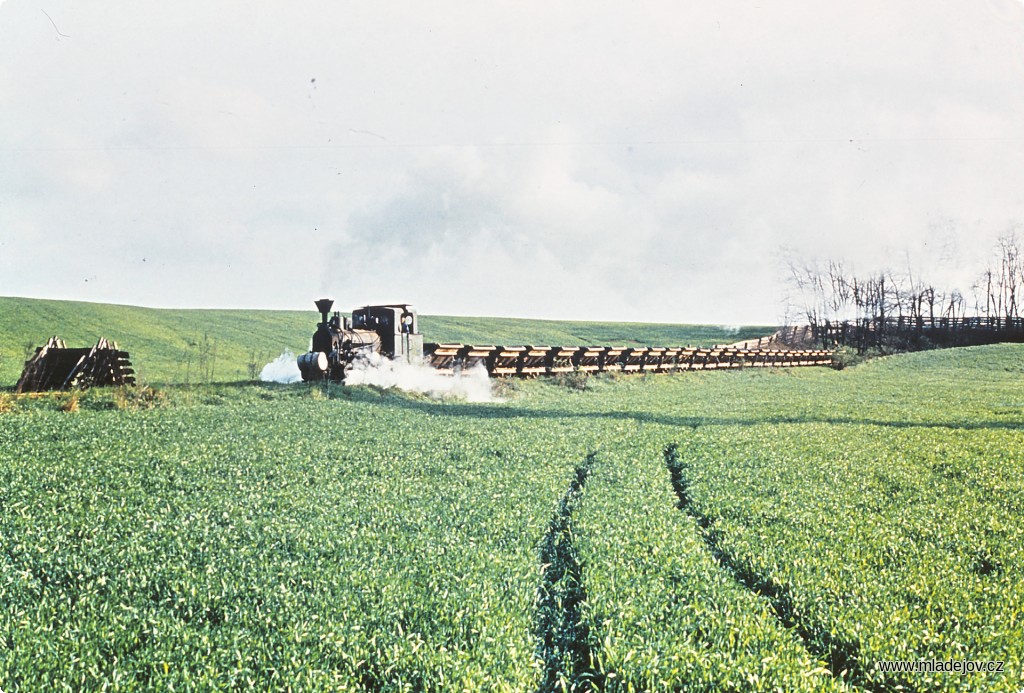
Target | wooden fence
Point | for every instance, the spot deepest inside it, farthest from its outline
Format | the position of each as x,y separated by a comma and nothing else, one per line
918,332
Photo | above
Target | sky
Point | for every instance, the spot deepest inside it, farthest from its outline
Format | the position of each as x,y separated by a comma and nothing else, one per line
635,161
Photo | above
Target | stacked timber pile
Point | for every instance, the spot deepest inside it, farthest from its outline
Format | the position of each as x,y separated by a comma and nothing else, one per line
55,367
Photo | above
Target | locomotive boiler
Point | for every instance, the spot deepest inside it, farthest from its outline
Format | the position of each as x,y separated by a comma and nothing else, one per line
390,331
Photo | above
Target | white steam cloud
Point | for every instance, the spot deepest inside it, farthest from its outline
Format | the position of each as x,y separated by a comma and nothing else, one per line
472,385
283,369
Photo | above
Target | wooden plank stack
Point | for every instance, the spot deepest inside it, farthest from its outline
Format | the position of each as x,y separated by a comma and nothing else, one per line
55,367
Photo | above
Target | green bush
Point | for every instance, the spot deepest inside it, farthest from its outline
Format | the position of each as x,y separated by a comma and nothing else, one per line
573,380
847,357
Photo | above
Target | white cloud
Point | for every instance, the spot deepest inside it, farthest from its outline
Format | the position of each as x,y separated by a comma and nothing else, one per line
606,160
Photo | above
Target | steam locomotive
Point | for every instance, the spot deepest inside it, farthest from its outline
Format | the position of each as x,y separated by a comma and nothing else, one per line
391,331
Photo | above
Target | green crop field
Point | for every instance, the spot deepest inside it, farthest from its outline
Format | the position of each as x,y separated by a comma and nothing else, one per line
176,346
754,530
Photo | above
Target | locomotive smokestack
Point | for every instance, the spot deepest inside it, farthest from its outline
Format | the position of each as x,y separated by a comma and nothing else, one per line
324,306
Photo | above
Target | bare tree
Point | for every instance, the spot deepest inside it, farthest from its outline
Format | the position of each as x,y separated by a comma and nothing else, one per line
1002,282
1009,274
808,283
956,303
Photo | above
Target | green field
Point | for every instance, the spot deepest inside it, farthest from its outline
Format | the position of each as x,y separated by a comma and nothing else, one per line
751,530
175,346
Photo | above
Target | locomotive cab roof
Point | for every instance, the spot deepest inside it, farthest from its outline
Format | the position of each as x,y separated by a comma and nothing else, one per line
403,306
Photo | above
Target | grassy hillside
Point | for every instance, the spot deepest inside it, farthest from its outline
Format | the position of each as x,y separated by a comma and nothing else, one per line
179,345
165,345
510,331
754,530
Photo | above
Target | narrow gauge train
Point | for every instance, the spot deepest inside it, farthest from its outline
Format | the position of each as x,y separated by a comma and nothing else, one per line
392,331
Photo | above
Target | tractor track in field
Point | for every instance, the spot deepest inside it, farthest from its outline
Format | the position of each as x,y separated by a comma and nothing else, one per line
563,639
842,656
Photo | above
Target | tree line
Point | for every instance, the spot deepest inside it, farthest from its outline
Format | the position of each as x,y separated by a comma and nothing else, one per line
832,292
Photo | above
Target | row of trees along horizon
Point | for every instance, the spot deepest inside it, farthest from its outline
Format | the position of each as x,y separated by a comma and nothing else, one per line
828,294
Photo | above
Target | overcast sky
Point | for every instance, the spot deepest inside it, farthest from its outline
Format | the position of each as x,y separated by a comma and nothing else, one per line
593,160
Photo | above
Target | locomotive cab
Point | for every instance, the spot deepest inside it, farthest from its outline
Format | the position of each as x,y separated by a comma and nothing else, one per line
396,325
